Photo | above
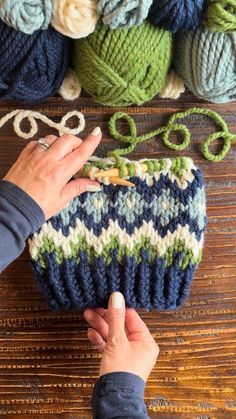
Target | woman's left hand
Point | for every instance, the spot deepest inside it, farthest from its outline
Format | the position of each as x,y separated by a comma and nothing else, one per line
46,175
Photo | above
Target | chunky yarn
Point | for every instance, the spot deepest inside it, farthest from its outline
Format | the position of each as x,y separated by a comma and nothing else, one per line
125,66
26,15
70,88
75,18
32,117
123,13
173,86
32,67
177,15
207,63
220,15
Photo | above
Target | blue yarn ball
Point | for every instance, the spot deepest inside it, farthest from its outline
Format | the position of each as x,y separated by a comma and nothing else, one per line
176,15
32,67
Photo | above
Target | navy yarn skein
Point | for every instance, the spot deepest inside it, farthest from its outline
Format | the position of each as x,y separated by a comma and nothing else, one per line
32,67
176,15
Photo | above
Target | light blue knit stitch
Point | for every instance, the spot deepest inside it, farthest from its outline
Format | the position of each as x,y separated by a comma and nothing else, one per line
96,206
166,207
130,205
26,16
197,207
68,211
123,13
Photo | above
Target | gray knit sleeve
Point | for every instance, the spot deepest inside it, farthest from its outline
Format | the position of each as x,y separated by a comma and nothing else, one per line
119,395
20,216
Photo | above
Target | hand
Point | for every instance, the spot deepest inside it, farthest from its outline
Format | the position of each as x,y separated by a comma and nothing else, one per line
44,175
122,337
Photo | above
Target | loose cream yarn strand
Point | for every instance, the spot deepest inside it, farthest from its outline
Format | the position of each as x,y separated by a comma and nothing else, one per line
20,114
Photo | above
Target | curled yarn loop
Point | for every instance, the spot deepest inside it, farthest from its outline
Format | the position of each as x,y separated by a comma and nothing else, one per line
133,139
26,16
20,114
220,15
123,13
177,15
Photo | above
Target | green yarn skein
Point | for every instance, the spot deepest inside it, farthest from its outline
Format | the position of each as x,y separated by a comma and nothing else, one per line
125,66
220,15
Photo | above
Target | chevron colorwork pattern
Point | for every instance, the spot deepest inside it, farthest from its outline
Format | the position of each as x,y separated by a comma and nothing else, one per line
145,242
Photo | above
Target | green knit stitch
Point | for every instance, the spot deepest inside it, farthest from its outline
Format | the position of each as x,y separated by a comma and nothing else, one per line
179,166
155,166
124,66
221,15
122,251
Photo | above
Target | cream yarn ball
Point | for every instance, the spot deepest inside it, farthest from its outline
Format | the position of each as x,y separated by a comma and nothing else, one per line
71,87
75,18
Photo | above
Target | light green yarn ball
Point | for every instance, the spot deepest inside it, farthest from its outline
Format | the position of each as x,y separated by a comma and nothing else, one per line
220,15
125,66
26,16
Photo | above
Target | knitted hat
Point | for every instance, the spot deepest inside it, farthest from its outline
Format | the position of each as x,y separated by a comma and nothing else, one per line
124,66
144,241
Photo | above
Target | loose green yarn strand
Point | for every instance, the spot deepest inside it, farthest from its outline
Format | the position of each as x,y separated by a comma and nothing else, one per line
133,139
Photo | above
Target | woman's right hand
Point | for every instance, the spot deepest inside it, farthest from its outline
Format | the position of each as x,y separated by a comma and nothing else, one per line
123,339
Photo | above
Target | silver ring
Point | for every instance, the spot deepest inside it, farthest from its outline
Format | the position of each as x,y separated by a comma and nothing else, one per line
42,144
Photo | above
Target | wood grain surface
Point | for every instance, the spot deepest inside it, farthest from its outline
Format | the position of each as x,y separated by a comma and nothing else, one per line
47,366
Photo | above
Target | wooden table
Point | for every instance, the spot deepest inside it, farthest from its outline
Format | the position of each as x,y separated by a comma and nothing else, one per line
48,367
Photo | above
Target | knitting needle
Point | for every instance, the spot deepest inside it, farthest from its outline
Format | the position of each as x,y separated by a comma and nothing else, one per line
114,180
120,181
115,172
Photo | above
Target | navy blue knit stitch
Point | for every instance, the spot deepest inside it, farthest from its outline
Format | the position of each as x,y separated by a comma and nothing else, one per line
169,287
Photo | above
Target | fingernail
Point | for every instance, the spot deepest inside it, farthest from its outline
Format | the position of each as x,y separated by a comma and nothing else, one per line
97,131
117,300
93,188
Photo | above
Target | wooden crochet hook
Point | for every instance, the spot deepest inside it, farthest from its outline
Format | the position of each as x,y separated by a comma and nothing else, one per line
115,172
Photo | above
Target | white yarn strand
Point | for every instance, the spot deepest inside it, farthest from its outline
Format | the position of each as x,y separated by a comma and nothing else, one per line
20,114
